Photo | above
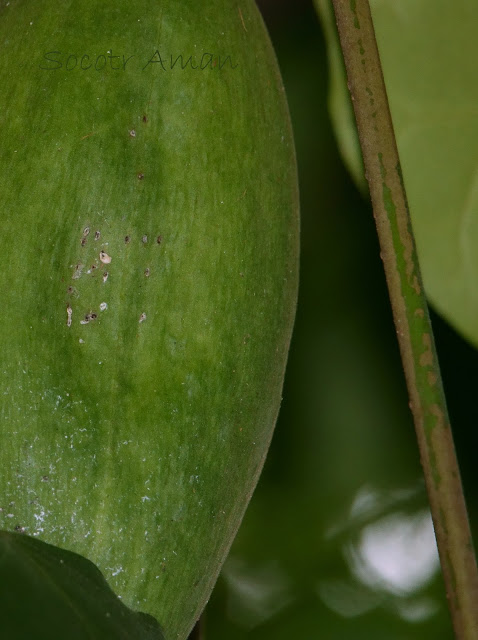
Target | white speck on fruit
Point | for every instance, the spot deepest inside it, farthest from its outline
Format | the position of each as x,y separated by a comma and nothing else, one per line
132,133
147,273
69,313
86,231
142,317
97,235
103,306
145,239
81,341
105,276
104,257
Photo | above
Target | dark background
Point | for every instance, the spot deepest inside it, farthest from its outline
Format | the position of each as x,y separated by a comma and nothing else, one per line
342,490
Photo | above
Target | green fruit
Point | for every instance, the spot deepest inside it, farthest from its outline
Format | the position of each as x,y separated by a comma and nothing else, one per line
149,247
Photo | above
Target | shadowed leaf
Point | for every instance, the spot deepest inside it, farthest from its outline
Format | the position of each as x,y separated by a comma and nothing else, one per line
46,592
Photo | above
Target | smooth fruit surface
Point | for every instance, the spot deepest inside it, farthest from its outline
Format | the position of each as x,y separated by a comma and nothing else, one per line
150,248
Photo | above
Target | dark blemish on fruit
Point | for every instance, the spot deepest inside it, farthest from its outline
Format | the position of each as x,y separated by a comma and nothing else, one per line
19,529
140,176
45,479
89,316
144,239
83,242
145,119
105,276
93,267
142,317
70,290
158,239
97,235
127,239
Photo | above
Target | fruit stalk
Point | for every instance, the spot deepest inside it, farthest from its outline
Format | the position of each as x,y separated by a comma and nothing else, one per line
410,311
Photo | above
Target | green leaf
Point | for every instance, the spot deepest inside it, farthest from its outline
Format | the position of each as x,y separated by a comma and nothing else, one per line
428,51
52,594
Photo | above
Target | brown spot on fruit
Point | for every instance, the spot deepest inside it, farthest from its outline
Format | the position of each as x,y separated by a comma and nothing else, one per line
77,271
104,257
89,317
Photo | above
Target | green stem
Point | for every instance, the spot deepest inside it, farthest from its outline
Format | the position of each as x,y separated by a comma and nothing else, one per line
427,399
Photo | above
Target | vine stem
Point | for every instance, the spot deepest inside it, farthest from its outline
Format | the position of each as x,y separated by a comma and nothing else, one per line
410,312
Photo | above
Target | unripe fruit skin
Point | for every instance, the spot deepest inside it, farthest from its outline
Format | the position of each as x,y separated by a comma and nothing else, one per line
150,256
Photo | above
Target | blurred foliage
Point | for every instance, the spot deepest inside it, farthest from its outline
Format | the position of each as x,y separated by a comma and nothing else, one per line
433,98
337,542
